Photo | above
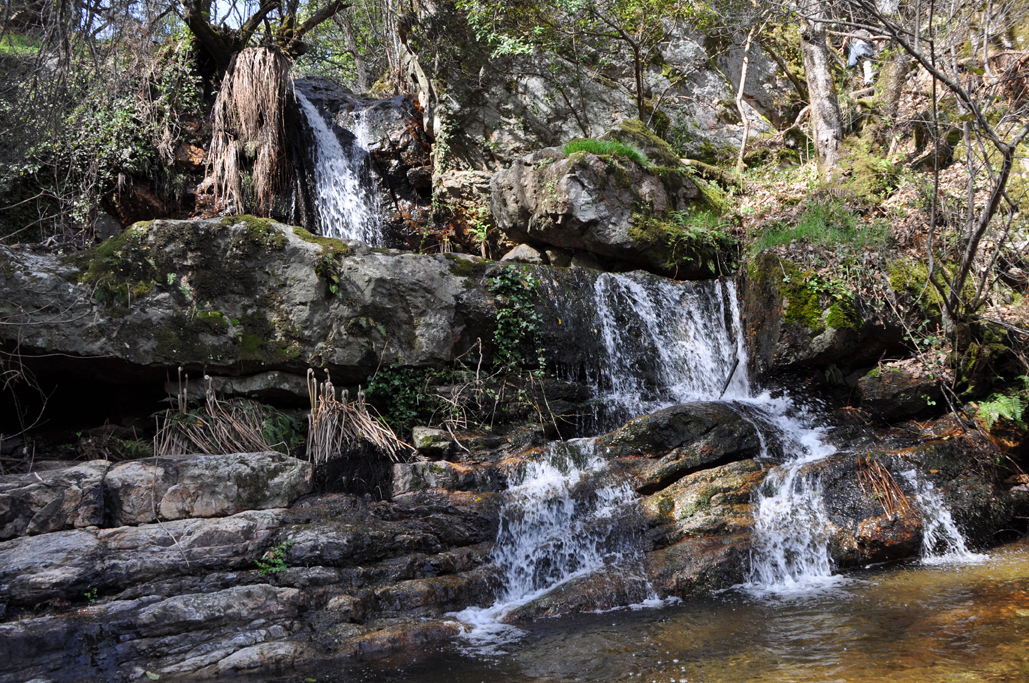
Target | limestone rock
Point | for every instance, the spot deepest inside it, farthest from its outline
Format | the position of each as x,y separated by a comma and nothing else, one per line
65,564
451,476
432,443
429,307
143,491
713,501
683,439
523,253
597,204
54,500
789,325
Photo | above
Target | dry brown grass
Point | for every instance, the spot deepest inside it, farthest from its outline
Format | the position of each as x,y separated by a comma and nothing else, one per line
229,427
335,427
249,128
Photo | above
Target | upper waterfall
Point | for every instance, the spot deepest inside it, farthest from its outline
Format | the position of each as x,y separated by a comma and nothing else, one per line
344,195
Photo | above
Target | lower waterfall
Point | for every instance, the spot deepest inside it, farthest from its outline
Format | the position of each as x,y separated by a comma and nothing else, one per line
565,516
658,343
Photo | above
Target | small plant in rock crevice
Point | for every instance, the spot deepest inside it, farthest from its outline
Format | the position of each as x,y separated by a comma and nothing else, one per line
274,560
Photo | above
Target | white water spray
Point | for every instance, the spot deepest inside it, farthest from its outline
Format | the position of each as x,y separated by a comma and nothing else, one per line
346,204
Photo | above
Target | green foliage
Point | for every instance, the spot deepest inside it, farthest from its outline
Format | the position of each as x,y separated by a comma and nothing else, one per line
517,320
329,263
999,406
399,394
100,119
91,595
274,560
826,225
606,148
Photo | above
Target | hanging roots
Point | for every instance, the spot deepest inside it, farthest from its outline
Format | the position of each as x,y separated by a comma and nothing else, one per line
249,127
884,486
337,427
216,428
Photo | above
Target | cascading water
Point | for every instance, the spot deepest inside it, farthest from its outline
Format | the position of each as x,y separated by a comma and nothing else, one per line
942,541
565,517
346,203
656,343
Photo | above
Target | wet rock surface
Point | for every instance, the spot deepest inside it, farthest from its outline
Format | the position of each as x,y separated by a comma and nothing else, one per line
187,597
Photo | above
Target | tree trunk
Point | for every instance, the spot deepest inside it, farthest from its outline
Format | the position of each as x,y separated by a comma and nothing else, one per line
825,111
740,166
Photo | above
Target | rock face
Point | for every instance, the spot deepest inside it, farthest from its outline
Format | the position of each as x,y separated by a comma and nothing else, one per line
70,498
186,597
608,206
391,129
683,439
900,390
143,491
791,326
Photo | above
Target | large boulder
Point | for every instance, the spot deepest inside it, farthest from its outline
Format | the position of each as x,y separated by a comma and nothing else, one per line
152,489
66,564
900,390
610,206
683,439
233,297
37,503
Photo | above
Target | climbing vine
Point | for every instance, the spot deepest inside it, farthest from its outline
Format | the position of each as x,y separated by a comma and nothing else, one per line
517,320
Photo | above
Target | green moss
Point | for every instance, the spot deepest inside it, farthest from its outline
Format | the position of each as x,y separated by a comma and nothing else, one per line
635,133
802,304
606,148
466,268
866,174
712,198
328,244
257,342
120,269
260,231
180,339
911,277
843,316
697,240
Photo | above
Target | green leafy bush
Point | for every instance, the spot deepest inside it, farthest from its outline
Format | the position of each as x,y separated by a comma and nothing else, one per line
606,147
517,320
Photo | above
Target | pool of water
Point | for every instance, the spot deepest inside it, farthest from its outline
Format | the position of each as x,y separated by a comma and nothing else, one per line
966,622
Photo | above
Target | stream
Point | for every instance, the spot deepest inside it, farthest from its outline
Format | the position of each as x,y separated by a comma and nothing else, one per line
913,622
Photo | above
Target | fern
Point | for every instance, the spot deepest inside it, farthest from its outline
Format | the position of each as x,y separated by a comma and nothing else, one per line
1000,406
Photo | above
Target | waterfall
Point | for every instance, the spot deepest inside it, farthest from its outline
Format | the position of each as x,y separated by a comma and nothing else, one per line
942,541
565,515
647,343
344,195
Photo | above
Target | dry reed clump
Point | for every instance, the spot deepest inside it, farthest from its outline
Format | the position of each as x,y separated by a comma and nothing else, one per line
336,427
216,428
249,124
884,486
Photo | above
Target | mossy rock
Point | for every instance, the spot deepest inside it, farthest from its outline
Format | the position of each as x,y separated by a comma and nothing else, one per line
635,133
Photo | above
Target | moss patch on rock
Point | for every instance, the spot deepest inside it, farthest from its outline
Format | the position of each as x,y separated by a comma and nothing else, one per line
635,133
